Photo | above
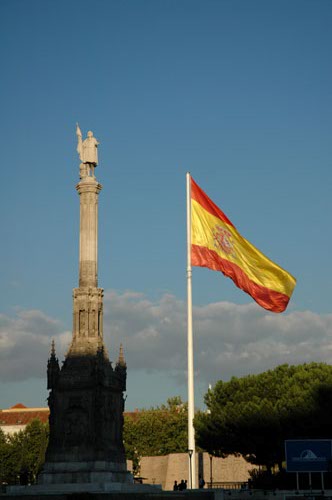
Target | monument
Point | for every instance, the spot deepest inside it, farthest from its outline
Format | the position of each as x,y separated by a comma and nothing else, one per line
86,393
85,453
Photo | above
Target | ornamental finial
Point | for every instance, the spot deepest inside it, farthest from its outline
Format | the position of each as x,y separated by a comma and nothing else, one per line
121,360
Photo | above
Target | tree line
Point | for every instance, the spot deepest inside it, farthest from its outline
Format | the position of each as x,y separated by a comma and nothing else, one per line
22,454
254,415
155,431
250,416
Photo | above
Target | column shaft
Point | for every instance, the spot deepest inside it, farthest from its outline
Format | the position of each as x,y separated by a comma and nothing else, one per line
88,257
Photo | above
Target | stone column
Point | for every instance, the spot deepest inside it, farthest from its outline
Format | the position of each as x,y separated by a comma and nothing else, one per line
88,298
88,189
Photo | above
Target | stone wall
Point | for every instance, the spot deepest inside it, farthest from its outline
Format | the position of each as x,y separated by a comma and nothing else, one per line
166,469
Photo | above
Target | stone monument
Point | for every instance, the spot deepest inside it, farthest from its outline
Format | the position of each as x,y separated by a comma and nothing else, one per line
86,393
85,453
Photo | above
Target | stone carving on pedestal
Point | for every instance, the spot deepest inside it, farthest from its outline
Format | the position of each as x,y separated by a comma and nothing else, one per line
86,394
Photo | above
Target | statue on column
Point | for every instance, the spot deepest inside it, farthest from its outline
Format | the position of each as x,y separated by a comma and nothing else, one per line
88,153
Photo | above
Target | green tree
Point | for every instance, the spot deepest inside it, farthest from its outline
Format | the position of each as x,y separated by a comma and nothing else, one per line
4,450
253,415
22,454
156,431
35,439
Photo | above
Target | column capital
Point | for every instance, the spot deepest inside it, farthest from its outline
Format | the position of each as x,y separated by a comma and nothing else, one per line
89,185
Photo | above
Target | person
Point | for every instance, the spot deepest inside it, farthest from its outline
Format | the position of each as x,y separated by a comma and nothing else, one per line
175,486
87,151
182,485
201,482
89,146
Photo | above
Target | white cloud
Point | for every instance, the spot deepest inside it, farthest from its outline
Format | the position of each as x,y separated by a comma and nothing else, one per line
25,342
229,339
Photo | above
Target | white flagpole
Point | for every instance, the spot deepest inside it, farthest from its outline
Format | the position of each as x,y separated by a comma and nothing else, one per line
191,403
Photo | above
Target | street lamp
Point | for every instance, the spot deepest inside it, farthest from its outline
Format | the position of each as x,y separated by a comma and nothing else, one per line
190,453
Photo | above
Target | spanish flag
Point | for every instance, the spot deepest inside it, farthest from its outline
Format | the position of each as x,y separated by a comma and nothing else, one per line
216,244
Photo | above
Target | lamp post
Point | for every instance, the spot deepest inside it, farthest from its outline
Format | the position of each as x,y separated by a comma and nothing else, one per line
190,453
211,478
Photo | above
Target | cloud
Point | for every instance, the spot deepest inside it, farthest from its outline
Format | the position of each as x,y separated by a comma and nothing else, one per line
229,339
25,342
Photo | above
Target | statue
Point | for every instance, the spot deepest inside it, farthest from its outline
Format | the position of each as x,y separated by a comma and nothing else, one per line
87,151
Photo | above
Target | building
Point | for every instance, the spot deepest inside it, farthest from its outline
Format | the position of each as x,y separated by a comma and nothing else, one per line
17,417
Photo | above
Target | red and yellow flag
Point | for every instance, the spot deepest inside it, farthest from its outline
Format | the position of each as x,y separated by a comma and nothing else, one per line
216,244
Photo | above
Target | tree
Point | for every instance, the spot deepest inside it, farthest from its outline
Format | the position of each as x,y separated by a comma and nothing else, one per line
156,431
22,454
253,415
4,449
35,439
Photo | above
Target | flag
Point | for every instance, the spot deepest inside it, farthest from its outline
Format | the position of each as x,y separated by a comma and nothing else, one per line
216,244
79,148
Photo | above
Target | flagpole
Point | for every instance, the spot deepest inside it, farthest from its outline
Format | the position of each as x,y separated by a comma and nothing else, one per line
191,403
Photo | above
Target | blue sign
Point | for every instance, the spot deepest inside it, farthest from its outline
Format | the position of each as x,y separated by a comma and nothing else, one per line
308,455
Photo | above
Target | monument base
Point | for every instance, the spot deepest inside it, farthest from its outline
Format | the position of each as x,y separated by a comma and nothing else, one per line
68,488
84,473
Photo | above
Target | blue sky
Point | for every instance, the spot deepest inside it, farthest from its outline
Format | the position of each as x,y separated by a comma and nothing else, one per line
238,93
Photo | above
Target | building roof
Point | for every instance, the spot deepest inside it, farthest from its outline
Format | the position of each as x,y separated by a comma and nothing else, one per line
21,415
18,405
17,417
